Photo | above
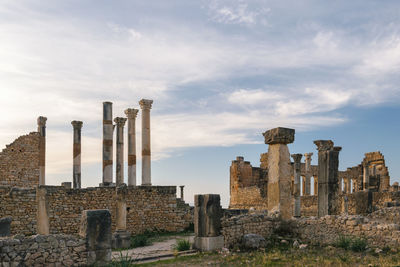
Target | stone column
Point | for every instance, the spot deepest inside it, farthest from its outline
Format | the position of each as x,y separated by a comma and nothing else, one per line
108,130
303,185
121,237
182,186
296,191
42,216
345,185
131,114
316,185
76,173
307,161
41,122
328,186
207,222
365,177
145,105
119,175
279,171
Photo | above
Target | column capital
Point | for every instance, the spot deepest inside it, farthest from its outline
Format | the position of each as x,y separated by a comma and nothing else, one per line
297,157
279,135
324,145
307,156
131,113
41,121
120,121
77,124
145,103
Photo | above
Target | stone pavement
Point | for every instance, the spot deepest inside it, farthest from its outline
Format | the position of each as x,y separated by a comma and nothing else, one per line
153,252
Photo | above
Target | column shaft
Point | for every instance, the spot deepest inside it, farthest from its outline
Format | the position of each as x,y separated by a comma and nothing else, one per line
76,172
108,130
119,175
41,121
296,192
307,161
366,177
146,147
131,115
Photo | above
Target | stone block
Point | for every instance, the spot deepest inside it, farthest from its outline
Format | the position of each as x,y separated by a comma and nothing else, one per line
67,185
96,230
5,224
121,239
208,243
279,136
207,215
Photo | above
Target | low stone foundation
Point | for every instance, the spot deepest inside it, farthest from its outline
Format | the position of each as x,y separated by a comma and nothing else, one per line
41,250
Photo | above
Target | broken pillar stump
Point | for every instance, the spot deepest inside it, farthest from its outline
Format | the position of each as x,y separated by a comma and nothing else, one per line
207,222
96,230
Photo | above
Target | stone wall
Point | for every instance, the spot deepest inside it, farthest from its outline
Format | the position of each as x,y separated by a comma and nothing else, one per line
41,250
20,204
234,228
308,206
248,197
148,208
19,162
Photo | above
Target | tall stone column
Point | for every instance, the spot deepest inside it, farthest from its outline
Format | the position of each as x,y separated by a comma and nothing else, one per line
279,171
365,177
41,122
182,186
307,161
108,130
119,175
145,105
296,191
131,114
328,186
76,172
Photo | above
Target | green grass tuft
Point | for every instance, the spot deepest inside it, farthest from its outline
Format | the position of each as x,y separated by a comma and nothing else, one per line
182,245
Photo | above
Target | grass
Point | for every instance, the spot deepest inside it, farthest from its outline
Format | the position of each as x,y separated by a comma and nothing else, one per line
355,244
182,245
151,236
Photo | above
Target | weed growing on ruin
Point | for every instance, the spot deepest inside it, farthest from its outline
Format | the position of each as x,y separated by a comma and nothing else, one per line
182,245
139,241
122,261
343,242
359,244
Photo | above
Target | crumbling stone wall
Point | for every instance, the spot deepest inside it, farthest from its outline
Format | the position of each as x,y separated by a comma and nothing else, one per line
19,162
20,204
308,206
40,250
148,207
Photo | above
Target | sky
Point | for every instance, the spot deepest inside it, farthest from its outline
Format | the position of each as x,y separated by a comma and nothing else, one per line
220,73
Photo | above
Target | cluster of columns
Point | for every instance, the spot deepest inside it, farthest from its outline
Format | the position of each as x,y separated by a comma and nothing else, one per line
108,129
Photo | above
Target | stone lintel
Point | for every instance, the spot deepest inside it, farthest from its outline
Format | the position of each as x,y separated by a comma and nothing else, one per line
279,135
120,121
324,145
145,103
131,113
77,124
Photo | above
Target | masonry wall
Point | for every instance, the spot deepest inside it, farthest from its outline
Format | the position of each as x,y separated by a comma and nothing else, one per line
19,203
19,162
248,197
148,208
40,250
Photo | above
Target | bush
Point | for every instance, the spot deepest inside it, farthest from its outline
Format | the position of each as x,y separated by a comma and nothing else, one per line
182,245
139,241
343,242
359,245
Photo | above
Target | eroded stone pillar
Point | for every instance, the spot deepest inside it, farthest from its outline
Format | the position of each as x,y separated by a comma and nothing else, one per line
307,161
145,105
279,171
76,172
131,114
365,177
328,186
96,231
121,238
296,191
41,122
43,225
119,175
182,186
108,130
207,222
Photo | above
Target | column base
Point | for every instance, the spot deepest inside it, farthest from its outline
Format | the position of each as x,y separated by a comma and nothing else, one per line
121,239
106,184
208,243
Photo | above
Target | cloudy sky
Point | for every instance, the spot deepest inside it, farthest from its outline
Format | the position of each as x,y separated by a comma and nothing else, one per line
220,73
